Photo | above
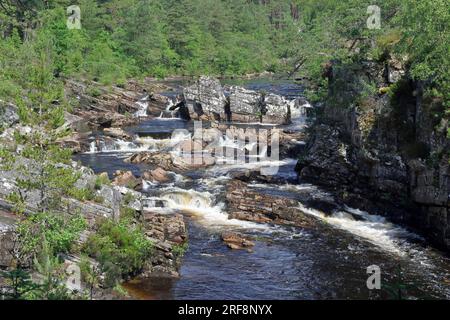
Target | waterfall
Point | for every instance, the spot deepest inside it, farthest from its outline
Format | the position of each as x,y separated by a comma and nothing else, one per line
203,204
170,105
374,228
143,107
168,113
93,147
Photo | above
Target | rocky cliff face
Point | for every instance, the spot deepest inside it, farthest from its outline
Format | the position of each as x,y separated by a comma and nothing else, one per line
207,97
379,145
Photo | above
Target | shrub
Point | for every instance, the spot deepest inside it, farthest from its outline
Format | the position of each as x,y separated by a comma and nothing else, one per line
180,249
59,230
83,194
121,248
101,180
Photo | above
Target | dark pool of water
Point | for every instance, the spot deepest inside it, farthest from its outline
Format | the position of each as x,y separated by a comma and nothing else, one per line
320,263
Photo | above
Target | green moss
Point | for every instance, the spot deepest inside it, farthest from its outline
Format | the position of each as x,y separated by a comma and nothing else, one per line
99,199
127,212
93,92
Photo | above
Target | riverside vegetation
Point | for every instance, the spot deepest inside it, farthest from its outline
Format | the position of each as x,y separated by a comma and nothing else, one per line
346,67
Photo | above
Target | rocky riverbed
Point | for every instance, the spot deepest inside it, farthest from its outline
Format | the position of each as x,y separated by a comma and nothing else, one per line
228,229
253,235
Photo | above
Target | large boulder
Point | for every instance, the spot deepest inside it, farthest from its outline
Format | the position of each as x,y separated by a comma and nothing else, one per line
158,175
117,133
205,96
126,179
170,162
236,241
244,102
168,234
245,203
276,109
252,106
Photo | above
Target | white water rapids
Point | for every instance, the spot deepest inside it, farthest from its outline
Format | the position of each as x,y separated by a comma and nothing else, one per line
375,229
143,107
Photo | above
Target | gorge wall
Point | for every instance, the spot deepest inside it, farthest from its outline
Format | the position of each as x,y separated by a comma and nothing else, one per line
381,144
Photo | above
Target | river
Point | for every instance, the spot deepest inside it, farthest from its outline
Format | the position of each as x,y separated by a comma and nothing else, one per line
326,261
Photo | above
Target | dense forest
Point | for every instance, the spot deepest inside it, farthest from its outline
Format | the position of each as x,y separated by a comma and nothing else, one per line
121,40
136,38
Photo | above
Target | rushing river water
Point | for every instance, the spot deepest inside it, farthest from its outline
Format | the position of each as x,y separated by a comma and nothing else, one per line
326,261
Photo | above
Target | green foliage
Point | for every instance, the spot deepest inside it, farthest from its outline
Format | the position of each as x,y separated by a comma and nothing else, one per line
101,180
127,212
42,166
128,198
93,91
90,274
120,38
83,194
121,248
121,290
18,284
180,249
60,232
49,284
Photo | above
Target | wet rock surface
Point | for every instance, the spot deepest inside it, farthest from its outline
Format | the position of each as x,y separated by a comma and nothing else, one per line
237,241
247,204
168,162
158,175
126,179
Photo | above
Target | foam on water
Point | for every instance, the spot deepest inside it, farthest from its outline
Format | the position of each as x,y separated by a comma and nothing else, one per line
202,204
373,228
139,144
92,147
122,146
4,227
